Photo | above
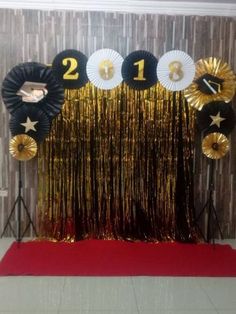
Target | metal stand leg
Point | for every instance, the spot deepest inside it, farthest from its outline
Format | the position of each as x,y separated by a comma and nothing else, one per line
210,209
17,205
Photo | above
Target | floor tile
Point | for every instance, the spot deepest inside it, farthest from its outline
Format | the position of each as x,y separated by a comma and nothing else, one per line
170,293
5,243
29,312
98,293
30,293
226,311
99,312
221,291
179,312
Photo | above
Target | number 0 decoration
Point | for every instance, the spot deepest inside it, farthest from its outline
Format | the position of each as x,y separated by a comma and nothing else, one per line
104,68
175,70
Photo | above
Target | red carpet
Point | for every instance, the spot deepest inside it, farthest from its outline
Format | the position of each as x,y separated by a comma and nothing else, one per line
118,258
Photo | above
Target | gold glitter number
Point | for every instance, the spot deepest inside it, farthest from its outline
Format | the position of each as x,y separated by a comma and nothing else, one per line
140,76
176,74
72,66
106,69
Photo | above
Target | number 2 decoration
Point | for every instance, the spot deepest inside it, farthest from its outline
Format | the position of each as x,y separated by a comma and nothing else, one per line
73,65
70,68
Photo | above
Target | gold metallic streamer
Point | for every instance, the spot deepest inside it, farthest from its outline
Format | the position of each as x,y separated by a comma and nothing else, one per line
109,167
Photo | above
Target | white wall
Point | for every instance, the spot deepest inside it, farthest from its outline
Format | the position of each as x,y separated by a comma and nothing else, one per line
174,7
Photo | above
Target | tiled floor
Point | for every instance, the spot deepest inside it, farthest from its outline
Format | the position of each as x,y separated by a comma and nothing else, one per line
116,295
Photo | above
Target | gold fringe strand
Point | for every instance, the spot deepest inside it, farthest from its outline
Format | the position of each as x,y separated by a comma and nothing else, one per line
109,167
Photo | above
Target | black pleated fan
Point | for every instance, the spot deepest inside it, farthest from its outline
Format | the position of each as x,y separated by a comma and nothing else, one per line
31,73
30,120
216,116
69,66
139,69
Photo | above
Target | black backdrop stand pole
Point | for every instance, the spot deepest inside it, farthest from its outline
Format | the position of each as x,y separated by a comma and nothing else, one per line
210,208
17,205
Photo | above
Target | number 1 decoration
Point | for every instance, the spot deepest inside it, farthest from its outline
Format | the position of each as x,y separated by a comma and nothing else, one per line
139,69
70,68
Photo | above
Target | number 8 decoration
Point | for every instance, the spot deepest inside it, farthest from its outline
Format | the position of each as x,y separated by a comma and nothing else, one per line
175,70
69,66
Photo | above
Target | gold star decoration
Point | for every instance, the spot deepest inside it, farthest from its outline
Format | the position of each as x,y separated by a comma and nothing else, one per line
29,125
216,120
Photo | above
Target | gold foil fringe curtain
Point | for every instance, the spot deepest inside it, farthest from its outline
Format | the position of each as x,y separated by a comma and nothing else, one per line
118,164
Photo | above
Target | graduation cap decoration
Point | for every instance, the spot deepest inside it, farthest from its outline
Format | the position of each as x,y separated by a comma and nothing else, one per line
214,81
32,83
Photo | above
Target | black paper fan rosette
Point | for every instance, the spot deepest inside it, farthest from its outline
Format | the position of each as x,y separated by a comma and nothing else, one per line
32,75
216,116
139,69
69,66
30,120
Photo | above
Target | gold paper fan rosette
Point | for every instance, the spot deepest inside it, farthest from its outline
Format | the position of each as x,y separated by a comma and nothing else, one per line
216,68
215,145
23,147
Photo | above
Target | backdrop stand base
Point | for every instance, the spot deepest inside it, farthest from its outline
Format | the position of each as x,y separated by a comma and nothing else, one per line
18,206
210,210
